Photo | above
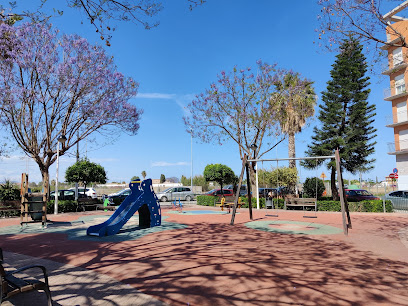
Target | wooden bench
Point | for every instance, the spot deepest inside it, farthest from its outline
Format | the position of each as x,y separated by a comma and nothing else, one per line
301,202
83,203
11,285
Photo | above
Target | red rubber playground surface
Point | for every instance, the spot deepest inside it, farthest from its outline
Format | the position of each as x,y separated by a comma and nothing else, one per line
198,258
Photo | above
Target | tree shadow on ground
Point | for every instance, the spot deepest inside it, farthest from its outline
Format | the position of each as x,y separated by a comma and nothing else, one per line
218,264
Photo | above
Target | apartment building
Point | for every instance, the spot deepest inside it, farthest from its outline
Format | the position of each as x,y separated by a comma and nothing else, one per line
397,93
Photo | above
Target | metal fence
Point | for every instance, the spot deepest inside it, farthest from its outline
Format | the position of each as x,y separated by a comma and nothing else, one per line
399,204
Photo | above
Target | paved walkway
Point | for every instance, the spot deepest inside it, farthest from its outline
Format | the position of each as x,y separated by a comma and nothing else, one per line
198,258
72,285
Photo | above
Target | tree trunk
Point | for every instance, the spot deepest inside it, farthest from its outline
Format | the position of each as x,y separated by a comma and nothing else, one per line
292,163
335,192
252,178
46,181
292,150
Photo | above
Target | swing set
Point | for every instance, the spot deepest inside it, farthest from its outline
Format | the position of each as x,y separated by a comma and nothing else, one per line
343,201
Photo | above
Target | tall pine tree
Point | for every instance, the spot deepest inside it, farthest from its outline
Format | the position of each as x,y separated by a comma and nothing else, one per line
345,115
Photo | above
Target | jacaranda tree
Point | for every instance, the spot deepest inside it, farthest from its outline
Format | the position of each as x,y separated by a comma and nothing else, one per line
367,21
242,106
102,14
53,85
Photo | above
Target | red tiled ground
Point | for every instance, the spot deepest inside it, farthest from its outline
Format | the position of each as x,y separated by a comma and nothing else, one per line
214,263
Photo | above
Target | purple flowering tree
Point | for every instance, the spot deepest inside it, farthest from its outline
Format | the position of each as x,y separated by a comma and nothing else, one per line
364,20
52,85
100,13
241,106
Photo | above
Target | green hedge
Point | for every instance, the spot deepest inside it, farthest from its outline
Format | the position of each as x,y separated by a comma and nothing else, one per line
371,206
63,206
210,200
207,200
10,213
363,206
279,202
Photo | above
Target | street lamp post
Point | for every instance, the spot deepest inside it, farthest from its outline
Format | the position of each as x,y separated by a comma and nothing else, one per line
191,179
61,139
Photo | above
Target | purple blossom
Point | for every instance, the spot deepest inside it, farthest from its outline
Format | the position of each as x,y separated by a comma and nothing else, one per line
52,80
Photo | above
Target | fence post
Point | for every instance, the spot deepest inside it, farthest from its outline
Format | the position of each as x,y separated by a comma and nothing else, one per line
385,192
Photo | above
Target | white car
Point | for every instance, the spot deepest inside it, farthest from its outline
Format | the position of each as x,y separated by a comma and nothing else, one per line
176,193
119,192
90,192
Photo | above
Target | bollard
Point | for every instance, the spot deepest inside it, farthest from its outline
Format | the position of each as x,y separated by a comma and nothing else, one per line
385,192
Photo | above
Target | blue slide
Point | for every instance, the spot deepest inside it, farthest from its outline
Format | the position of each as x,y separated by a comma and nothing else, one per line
142,199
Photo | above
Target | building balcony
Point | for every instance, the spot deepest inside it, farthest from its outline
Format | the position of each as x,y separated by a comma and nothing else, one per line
399,65
390,43
395,93
398,148
401,118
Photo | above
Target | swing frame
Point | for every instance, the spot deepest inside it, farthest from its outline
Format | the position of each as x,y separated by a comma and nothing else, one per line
343,201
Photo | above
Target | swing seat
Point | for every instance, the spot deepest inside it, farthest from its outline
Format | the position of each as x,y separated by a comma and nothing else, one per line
301,202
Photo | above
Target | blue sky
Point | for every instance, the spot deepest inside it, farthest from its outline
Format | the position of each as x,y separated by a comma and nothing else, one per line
179,59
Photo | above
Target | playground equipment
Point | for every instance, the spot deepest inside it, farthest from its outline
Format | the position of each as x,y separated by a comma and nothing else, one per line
180,205
343,201
142,199
33,204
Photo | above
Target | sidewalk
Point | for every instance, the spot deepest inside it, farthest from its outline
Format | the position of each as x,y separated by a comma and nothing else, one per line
76,286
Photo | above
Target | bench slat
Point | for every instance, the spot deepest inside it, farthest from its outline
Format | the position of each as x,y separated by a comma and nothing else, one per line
300,202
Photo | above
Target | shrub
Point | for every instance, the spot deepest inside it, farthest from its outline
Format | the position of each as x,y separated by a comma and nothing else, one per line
280,202
312,186
9,213
363,206
329,206
371,206
207,200
245,204
8,192
63,206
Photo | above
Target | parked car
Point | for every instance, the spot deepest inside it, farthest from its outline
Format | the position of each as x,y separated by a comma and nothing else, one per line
359,195
242,191
399,199
66,195
89,192
217,192
398,194
118,197
175,193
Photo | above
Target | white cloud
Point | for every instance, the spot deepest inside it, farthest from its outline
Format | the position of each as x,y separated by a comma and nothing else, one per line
181,100
167,164
155,95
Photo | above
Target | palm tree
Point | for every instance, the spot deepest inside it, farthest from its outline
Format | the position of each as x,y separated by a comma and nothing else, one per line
144,174
298,101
